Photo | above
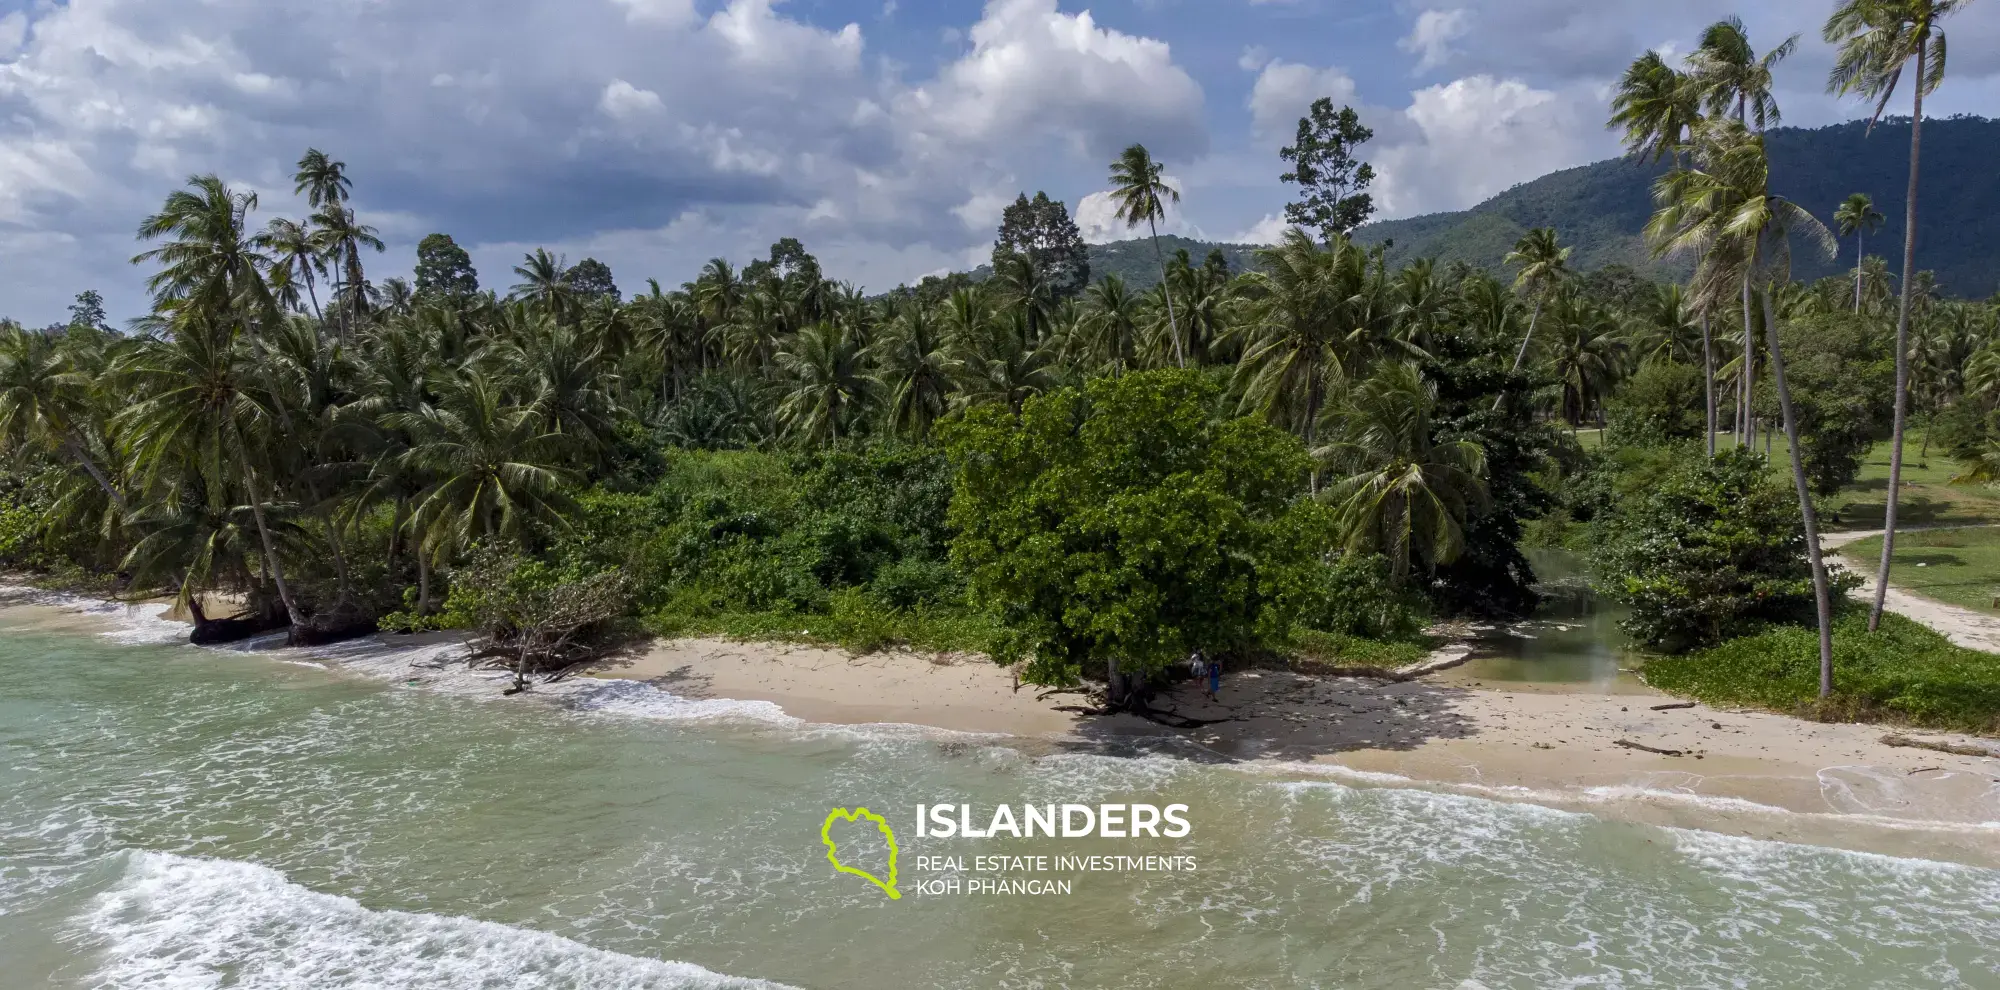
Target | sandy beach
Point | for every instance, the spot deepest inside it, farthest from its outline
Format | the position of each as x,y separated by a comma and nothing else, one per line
1523,742
1750,773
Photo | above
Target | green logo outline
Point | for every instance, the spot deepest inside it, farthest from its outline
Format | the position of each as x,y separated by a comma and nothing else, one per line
832,851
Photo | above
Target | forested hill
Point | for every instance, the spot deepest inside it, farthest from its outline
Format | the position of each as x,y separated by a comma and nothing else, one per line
1602,208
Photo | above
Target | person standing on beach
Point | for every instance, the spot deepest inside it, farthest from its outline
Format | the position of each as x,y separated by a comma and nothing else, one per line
1214,679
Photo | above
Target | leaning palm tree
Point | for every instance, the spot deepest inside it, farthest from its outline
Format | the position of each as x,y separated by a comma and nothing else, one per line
1544,265
1877,39
1142,195
344,236
1724,205
1401,493
208,402
1857,215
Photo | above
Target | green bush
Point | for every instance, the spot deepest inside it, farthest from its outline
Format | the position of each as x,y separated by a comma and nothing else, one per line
1712,551
1903,672
1661,403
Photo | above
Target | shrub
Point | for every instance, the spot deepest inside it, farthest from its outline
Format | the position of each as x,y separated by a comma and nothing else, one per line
1714,550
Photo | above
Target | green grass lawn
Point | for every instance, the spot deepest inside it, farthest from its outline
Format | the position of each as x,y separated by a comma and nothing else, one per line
1903,673
1960,566
1928,498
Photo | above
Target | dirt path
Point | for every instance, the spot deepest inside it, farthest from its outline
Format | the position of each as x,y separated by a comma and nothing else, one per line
1963,626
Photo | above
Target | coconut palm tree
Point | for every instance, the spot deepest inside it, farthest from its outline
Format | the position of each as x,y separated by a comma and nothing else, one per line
1721,205
208,403
344,236
495,467
1544,265
1296,341
1857,215
1657,106
915,367
826,382
1401,493
211,261
47,401
1587,354
1111,319
321,180
1731,77
545,284
1878,39
297,252
996,364
1142,196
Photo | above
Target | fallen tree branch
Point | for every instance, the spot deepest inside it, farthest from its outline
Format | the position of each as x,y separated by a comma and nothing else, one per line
1629,744
1908,742
1678,704
1453,657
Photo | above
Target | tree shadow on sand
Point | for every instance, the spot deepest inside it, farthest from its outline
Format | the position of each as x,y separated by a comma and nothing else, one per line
1280,715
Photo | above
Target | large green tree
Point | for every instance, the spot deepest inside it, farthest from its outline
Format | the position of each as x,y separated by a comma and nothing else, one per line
1333,183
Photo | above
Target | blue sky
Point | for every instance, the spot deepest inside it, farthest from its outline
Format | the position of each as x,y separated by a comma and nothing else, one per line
655,134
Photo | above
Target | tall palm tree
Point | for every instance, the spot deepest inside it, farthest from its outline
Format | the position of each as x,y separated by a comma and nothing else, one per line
1142,196
1721,205
321,180
344,236
1857,215
826,383
1878,39
1544,265
1731,77
1401,493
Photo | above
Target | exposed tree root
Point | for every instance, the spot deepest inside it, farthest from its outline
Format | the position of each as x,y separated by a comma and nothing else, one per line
1896,739
1629,744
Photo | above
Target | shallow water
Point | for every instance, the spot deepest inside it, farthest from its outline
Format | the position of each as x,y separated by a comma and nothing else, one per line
173,817
1572,639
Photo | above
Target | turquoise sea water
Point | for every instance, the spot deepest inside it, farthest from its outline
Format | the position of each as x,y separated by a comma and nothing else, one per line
172,817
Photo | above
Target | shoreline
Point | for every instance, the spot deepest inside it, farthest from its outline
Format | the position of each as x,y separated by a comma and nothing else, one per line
1754,774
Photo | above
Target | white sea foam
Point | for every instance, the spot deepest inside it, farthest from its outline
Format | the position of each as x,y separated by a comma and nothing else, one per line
128,623
174,923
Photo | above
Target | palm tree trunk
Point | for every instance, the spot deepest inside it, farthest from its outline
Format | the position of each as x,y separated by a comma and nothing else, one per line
1822,603
1858,257
1522,353
1312,420
314,296
1902,354
82,455
1708,381
276,566
1167,290
423,579
1747,380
